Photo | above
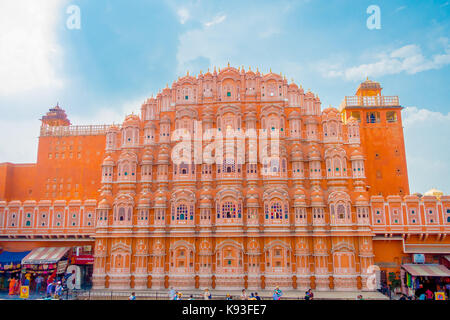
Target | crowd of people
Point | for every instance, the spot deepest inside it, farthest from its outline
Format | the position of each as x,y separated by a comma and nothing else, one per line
51,287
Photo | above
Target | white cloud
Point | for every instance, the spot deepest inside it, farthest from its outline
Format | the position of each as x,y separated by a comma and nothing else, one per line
183,15
408,59
108,115
427,149
30,55
236,36
218,19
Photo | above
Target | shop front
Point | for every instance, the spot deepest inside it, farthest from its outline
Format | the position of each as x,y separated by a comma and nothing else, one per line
419,278
45,264
82,267
10,267
426,268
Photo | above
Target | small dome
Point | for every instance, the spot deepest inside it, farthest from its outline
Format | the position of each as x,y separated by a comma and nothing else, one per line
144,201
296,153
104,204
434,192
131,120
356,155
314,154
108,161
147,158
317,196
293,86
294,115
113,128
252,192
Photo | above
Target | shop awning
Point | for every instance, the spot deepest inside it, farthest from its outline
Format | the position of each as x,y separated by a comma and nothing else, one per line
45,255
427,270
7,257
427,248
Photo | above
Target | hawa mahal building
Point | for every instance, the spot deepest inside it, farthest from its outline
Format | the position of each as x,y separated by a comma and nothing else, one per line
333,203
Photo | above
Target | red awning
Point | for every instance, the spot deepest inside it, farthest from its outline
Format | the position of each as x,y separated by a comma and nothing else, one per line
427,270
45,255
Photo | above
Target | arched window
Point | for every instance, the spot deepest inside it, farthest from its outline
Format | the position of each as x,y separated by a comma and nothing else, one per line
182,212
275,165
228,210
276,211
340,211
121,215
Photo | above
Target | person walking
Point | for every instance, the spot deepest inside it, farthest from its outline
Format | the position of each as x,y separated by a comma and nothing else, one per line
132,296
229,297
309,295
58,290
244,295
38,282
207,294
172,294
49,289
257,296
12,284
277,293
429,294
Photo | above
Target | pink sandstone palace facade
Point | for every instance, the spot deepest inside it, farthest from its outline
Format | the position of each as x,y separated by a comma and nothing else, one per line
332,204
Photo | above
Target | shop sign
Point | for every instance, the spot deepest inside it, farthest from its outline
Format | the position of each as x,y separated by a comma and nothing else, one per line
440,295
24,292
418,258
62,266
83,259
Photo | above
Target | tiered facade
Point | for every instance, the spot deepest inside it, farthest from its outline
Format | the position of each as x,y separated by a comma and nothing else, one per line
298,213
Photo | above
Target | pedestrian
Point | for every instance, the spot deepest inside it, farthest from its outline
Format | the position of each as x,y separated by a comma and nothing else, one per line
171,294
309,295
359,297
38,282
244,295
207,294
229,297
429,294
252,296
12,284
257,296
277,293
49,289
58,290
191,297
17,286
132,296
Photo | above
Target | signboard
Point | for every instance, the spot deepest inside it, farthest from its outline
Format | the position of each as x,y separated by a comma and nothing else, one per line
24,292
83,259
440,295
62,266
418,258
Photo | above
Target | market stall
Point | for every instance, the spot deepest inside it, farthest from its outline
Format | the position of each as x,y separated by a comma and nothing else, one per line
422,277
10,266
48,262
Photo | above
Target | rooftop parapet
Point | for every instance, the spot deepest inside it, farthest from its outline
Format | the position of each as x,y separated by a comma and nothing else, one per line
84,130
369,101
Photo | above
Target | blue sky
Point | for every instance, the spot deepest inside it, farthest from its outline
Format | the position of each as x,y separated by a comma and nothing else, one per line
126,51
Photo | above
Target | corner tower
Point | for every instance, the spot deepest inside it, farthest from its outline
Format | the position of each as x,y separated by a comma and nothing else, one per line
382,138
